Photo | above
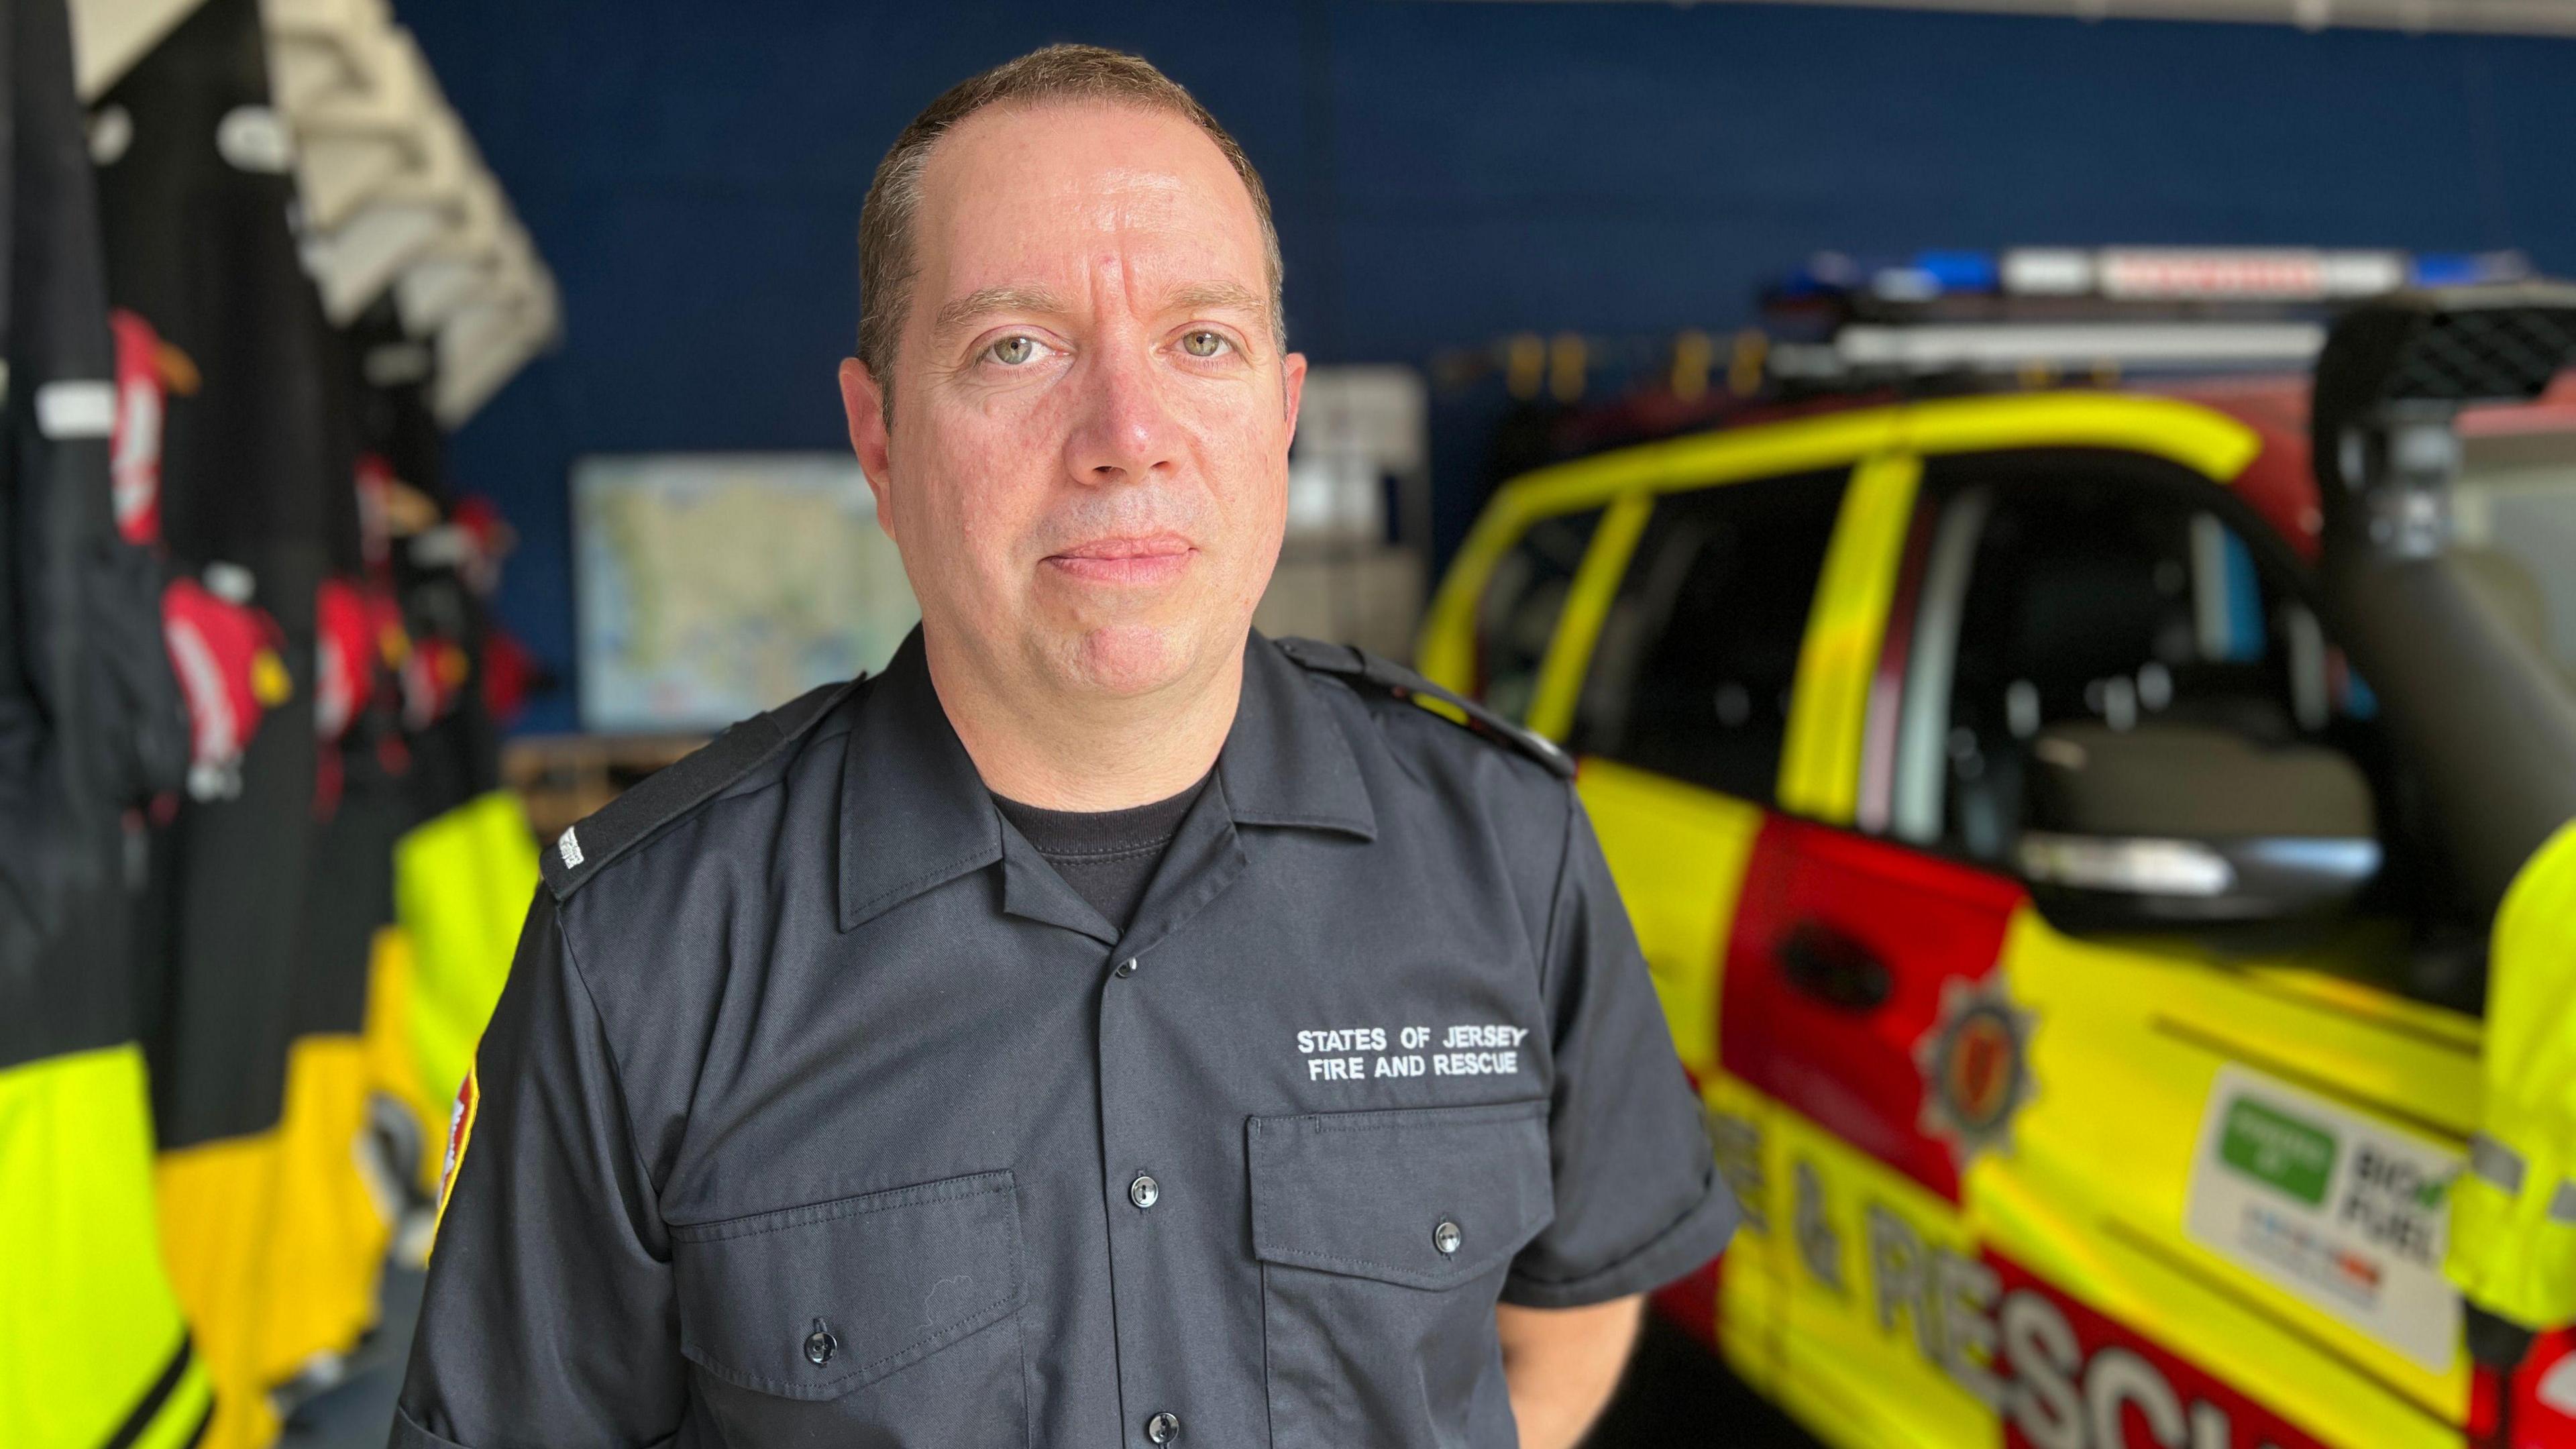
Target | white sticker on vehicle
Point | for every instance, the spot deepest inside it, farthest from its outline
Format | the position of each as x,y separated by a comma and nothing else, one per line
2330,1205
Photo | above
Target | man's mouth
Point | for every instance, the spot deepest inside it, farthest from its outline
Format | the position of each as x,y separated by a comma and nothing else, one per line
1142,559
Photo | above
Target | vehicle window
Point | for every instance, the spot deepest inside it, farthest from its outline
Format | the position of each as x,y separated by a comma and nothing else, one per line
2056,592
2514,508
1692,672
1523,598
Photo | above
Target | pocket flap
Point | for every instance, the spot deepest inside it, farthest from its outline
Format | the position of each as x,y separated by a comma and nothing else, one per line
1427,1197
867,1284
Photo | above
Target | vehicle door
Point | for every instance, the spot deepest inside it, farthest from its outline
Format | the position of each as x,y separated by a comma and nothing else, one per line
1672,682
2080,1176
1747,672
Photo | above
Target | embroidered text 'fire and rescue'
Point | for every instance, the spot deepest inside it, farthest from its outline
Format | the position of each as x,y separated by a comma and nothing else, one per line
1359,1053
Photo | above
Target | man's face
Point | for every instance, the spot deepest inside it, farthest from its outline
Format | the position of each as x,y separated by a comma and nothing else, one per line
1087,466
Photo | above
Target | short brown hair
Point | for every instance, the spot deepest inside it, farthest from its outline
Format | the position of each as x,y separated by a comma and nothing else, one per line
1057,73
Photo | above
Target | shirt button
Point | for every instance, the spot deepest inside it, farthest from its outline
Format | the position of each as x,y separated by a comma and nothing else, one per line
1144,1192
820,1345
1446,1237
1128,968
1163,1428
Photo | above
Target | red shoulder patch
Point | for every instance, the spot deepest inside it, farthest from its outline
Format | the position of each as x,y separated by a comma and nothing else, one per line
460,1131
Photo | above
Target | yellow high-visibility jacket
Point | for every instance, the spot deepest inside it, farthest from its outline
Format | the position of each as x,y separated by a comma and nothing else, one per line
2513,1213
462,883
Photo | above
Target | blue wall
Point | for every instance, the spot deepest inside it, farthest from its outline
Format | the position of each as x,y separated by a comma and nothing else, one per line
1443,173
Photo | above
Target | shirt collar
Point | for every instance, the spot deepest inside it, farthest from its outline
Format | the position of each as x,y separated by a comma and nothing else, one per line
1287,760
915,814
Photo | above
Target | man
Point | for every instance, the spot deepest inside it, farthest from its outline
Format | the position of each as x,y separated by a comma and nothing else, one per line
1106,1026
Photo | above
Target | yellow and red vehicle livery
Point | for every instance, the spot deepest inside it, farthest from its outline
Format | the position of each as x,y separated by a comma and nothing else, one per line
2004,1184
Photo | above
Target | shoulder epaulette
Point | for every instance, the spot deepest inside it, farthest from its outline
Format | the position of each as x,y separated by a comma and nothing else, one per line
1392,678
682,786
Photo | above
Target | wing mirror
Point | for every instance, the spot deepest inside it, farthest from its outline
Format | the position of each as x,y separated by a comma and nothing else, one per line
2170,825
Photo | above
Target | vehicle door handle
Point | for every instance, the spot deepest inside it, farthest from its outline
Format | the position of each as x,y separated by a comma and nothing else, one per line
1833,968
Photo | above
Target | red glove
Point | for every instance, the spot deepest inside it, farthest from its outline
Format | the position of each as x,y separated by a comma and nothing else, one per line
134,440
509,673
433,680
488,539
344,673
227,658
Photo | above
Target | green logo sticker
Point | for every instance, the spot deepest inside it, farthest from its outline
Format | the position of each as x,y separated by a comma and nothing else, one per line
2292,1156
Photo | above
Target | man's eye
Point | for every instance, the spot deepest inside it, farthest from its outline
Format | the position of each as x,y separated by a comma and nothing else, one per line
1012,351
1204,343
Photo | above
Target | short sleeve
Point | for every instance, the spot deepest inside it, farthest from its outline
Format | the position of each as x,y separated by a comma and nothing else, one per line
1638,1200
549,1316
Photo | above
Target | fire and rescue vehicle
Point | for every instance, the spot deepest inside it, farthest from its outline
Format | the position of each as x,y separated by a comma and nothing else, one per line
2065,834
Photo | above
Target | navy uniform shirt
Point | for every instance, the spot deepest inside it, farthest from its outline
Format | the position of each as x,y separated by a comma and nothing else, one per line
825,1111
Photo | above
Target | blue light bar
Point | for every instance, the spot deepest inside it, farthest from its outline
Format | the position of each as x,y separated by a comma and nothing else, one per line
1962,271
2460,269
2147,274
1918,278
1826,274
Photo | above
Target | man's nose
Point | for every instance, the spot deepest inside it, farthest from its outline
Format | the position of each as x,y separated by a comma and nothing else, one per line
1127,431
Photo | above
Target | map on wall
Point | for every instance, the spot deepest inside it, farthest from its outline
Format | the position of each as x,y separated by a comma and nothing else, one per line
714,586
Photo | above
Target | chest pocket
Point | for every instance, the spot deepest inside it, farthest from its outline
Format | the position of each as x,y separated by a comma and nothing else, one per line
893,1311
1384,1238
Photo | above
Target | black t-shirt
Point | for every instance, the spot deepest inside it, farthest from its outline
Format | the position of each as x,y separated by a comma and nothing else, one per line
1107,856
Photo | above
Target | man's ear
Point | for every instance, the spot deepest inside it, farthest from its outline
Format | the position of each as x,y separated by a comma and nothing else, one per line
1292,383
863,402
